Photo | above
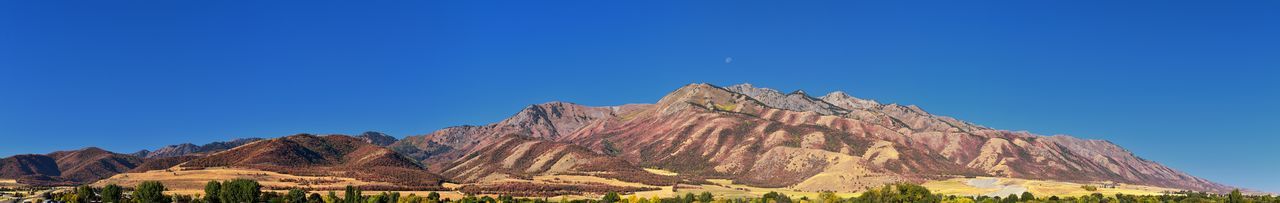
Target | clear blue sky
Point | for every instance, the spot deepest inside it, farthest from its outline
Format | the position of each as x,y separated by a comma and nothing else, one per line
1191,84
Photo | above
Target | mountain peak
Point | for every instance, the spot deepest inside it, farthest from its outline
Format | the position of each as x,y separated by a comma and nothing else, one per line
798,100
799,92
844,100
837,94
377,138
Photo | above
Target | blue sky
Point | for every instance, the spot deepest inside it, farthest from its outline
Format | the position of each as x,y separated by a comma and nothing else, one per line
1191,84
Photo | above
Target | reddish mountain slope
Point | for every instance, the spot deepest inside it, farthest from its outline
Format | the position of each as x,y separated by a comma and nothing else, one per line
16,167
91,164
66,167
521,157
763,137
162,163
546,121
332,155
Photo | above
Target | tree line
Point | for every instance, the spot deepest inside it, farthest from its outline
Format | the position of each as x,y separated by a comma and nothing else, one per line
249,191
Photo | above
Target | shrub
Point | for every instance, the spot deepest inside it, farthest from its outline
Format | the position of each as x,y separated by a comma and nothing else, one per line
1089,188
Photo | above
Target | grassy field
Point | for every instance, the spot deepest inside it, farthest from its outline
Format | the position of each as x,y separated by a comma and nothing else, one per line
964,187
192,181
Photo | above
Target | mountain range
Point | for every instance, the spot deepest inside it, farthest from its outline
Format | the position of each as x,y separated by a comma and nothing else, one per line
753,136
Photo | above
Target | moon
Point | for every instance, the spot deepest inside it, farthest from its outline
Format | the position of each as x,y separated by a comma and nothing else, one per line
728,59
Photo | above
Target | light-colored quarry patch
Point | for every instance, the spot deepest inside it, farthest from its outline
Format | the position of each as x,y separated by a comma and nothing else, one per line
661,172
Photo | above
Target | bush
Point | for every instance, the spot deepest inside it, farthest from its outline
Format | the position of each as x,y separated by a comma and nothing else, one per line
1089,188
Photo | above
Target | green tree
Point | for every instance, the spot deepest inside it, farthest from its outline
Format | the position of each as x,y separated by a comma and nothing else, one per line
393,197
1235,197
332,197
182,198
211,191
828,197
412,198
1027,196
706,197
611,197
240,191
378,198
84,194
773,197
295,196
352,195
112,193
433,197
150,192
1012,198
315,198
898,193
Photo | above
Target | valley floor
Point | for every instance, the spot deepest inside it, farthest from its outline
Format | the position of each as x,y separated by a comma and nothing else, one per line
192,182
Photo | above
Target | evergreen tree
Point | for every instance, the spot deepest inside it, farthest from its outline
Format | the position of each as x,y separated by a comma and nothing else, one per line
412,198
84,194
315,198
112,193
1027,196
611,197
433,197
1235,197
332,198
150,192
705,197
352,195
296,196
211,191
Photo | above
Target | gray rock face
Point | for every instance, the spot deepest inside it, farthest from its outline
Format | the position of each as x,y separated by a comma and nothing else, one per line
839,98
795,101
174,150
377,138
189,149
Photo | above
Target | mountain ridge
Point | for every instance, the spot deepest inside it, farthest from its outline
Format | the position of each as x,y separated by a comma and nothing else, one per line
749,135
892,142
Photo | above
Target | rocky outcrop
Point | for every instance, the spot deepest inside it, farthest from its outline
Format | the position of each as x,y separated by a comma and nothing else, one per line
185,149
377,138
